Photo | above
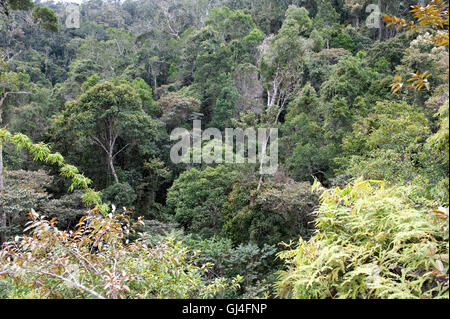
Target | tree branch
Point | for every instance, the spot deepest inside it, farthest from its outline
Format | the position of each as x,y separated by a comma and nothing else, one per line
123,148
79,286
98,142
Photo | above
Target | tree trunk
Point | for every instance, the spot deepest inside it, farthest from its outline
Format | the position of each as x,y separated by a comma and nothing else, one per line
2,186
155,81
2,189
111,165
381,29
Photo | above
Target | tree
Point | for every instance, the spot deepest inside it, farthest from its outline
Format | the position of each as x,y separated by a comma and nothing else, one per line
306,152
41,152
10,84
387,144
26,190
196,198
356,8
177,110
225,108
111,116
318,66
281,59
228,40
109,58
348,79
282,64
435,16
281,212
45,18
42,16
392,50
231,25
7,5
326,16
318,41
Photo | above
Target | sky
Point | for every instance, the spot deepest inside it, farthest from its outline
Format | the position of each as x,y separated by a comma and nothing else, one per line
68,1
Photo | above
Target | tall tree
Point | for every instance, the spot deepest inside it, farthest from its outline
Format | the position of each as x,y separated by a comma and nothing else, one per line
356,8
282,63
42,16
112,117
11,83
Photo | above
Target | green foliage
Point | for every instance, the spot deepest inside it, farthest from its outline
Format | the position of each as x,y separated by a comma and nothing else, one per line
41,152
230,24
254,264
145,93
306,151
104,102
106,95
120,195
46,18
176,110
96,262
342,40
297,22
196,198
225,108
26,190
279,212
82,70
319,65
110,116
439,142
372,242
20,4
90,82
318,41
326,15
389,144
349,78
392,50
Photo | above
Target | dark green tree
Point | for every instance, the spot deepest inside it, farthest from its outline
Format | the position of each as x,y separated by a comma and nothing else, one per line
110,116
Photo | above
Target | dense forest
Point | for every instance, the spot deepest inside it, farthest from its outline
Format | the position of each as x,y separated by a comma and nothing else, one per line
92,206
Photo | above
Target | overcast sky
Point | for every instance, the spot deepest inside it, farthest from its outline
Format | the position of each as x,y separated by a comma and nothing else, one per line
69,1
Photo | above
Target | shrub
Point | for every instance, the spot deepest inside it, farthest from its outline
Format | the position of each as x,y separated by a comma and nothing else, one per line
279,212
372,242
197,197
30,189
121,195
97,261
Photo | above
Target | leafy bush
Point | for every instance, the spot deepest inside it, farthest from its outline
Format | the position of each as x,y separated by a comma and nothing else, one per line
390,144
342,40
121,195
279,212
257,265
372,242
197,197
97,261
25,190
